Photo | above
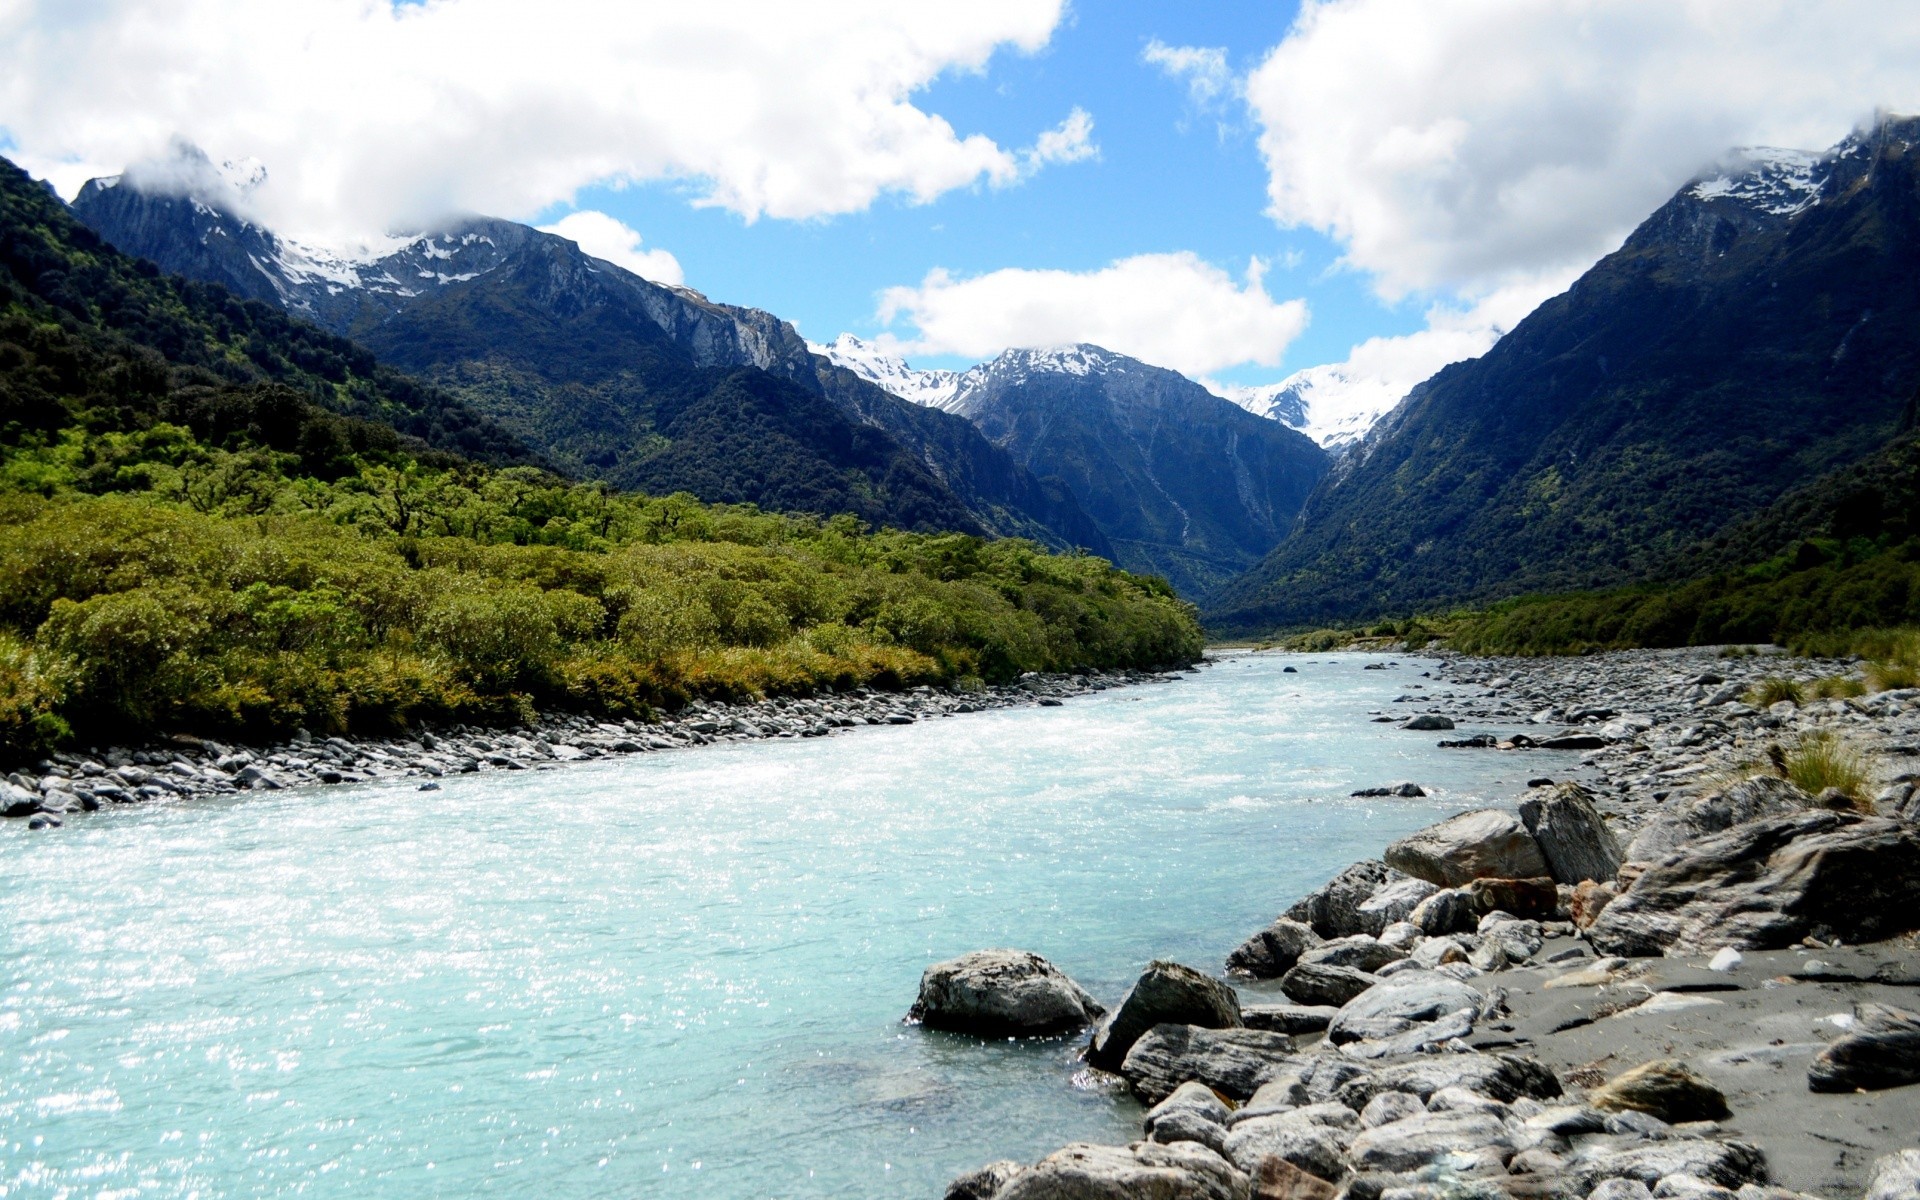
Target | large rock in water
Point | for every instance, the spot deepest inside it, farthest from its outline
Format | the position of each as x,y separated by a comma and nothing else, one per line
1469,846
1166,994
1572,834
999,993
1233,1062
1332,910
1143,1171
1768,884
1881,1050
1272,952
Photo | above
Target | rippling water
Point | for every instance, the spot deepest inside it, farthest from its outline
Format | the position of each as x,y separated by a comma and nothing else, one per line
674,975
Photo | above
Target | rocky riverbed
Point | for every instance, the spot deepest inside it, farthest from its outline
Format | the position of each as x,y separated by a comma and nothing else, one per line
1677,976
52,791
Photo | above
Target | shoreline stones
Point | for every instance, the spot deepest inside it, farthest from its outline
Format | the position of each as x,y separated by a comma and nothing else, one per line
1486,842
1166,993
1001,993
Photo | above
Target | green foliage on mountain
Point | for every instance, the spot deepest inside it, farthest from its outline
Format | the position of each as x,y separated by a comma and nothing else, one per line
191,539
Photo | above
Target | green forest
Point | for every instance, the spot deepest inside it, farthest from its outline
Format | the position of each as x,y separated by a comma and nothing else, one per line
209,524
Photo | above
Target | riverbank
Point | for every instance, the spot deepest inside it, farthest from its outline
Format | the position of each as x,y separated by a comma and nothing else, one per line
1672,978
69,783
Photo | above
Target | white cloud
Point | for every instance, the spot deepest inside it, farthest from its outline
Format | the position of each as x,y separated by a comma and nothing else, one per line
1173,310
605,237
1204,68
1470,145
1070,141
370,115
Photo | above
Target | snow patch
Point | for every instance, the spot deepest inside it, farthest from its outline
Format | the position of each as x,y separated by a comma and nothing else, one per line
1784,183
935,389
1329,404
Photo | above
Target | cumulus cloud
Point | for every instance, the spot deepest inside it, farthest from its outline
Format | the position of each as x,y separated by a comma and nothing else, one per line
1454,333
1471,145
606,237
371,115
1203,68
1173,310
1070,141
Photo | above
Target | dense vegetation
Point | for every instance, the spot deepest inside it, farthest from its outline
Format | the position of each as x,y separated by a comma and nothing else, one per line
190,539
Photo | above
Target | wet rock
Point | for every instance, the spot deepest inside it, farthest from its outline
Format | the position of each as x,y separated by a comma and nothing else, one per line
1167,993
1895,1177
1323,983
985,1183
1427,722
1288,1018
999,993
1358,951
1272,952
1573,836
1770,883
1408,791
1315,1149
1278,1179
1505,1077
1333,909
1406,999
1665,1088
1180,1171
1881,1050
1483,843
1427,1137
1233,1062
1192,1113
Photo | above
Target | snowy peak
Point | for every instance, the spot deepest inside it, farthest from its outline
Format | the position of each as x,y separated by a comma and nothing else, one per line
1781,183
1330,404
933,388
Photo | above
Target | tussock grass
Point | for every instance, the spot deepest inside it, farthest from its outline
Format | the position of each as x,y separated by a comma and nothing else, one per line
1773,689
1818,761
1838,687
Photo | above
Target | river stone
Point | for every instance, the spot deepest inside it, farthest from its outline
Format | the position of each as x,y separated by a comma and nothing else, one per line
1333,909
985,1183
1143,1171
1272,952
1768,884
1450,910
1573,836
1315,1149
1895,1177
1728,1164
1504,1077
1471,845
1288,1018
1279,1179
1233,1062
1427,723
1427,1137
1000,993
1324,983
1881,1050
1167,993
1358,951
1394,901
1667,1089
1412,997
1193,1113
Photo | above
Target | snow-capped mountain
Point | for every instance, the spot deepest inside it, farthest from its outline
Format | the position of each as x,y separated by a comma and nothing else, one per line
1330,404
935,389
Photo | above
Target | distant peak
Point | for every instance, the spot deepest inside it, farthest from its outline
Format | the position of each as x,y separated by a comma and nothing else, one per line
184,169
1774,180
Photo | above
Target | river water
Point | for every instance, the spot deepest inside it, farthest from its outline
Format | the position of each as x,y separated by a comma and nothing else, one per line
673,975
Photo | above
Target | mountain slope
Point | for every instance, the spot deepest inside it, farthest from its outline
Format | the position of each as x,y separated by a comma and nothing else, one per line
612,376
1758,330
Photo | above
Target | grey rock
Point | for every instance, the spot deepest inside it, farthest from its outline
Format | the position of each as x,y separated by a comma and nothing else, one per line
1315,1149
1233,1062
1728,1164
1167,993
985,1183
1389,1107
1193,1113
1690,1187
1428,722
1143,1171
1358,951
1881,1050
1450,910
1410,997
1573,836
1415,1038
1895,1177
1620,1189
1282,1093
1754,799
1425,1138
1768,884
1333,909
1486,842
1288,1018
1323,983
1459,1099
1394,901
999,993
1272,952
1505,1077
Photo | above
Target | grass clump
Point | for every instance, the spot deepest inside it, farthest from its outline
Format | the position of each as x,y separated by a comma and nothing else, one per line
1838,687
1773,689
1823,760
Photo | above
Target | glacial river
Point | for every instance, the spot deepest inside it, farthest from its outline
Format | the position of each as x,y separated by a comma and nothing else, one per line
676,975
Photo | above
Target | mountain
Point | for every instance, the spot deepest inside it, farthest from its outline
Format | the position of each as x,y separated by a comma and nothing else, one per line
1759,330
607,374
932,388
1329,404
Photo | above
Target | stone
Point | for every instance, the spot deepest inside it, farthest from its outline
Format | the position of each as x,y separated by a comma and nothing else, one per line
1333,909
1272,952
1415,1038
1728,1164
1504,1077
1573,836
1450,910
1428,722
1590,899
1665,1088
1358,951
1768,884
1192,1113
1323,983
1233,1062
1691,1187
1388,1107
1425,1138
1167,993
1288,1018
1537,899
1278,1179
1000,993
1143,1171
1880,1050
1408,791
1754,799
1316,1149
1393,902
1895,1177
1482,843
984,1183
1411,997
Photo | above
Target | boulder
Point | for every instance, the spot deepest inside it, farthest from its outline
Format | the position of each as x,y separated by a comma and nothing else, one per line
1001,993
985,1183
1881,1050
1272,952
1472,845
1394,901
1165,994
1193,1113
1389,1107
1728,1164
1315,1149
1415,1038
1754,799
1333,909
1426,1138
1450,910
1323,983
1288,1018
1409,998
1537,899
1667,1089
1142,1171
1233,1062
1573,836
1504,1077
1278,1179
1895,1177
1358,951
1590,899
1770,883
1428,722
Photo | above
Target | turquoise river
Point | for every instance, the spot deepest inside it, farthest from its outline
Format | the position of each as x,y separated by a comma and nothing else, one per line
676,975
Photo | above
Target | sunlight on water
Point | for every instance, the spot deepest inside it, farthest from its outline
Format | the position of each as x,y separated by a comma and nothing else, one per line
675,975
